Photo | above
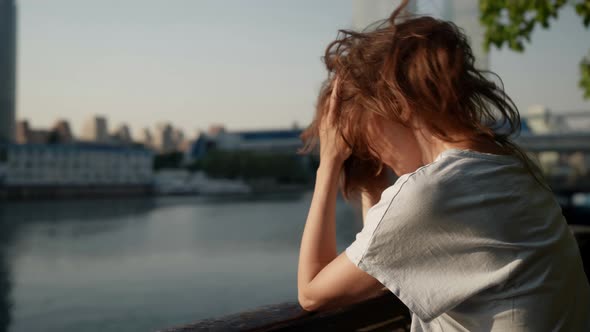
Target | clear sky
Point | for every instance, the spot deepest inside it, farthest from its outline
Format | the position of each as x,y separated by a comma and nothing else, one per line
244,64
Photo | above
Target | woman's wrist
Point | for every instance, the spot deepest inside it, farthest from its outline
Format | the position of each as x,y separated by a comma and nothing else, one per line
328,175
331,165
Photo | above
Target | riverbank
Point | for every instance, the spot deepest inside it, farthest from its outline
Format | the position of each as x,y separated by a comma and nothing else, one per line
52,192
37,192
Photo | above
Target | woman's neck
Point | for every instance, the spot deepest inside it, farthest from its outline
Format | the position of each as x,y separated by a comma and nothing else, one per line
432,146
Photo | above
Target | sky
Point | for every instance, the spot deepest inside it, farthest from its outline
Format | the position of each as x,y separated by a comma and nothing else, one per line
245,64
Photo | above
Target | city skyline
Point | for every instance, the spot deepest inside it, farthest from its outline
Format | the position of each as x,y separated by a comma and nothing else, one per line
244,66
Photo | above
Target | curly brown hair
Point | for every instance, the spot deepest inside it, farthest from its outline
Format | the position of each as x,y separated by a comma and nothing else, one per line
407,67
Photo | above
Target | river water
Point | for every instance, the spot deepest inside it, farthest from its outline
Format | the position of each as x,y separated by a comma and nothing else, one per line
145,264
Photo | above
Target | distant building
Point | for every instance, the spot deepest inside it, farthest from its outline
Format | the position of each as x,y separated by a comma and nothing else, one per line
8,25
464,13
60,133
79,164
164,138
122,135
27,135
276,141
215,130
541,121
178,136
146,138
179,139
96,130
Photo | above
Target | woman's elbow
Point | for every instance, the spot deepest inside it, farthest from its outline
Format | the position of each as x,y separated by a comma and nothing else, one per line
308,303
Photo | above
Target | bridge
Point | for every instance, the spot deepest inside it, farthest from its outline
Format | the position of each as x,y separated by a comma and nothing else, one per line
561,143
568,170
567,143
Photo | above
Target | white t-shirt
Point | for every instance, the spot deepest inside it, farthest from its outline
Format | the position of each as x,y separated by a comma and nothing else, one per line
472,242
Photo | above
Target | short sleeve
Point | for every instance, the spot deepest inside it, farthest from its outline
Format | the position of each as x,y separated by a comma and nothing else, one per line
419,244
375,215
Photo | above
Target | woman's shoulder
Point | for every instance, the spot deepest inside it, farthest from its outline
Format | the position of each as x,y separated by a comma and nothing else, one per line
455,174
424,179
416,190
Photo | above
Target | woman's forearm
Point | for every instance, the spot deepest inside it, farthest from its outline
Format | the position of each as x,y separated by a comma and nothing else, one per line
318,244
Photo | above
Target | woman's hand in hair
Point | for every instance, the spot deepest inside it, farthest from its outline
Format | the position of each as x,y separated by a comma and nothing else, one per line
326,279
333,148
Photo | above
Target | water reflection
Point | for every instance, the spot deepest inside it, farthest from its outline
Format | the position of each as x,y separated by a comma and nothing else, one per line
17,217
67,210
144,264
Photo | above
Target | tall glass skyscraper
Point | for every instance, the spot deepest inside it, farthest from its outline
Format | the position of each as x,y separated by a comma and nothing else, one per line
464,13
7,69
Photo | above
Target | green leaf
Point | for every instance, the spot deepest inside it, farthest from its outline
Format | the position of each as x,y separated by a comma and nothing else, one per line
584,82
511,23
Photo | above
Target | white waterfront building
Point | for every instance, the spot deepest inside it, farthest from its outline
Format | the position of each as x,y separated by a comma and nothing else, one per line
271,140
74,165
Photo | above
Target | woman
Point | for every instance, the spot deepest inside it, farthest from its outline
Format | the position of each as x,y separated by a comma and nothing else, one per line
469,237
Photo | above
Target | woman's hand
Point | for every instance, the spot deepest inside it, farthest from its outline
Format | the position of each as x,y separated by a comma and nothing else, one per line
333,148
326,279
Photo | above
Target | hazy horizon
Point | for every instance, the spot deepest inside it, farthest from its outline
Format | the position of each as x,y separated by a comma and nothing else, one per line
244,65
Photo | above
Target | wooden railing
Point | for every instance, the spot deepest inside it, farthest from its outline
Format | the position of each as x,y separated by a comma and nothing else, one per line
382,313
